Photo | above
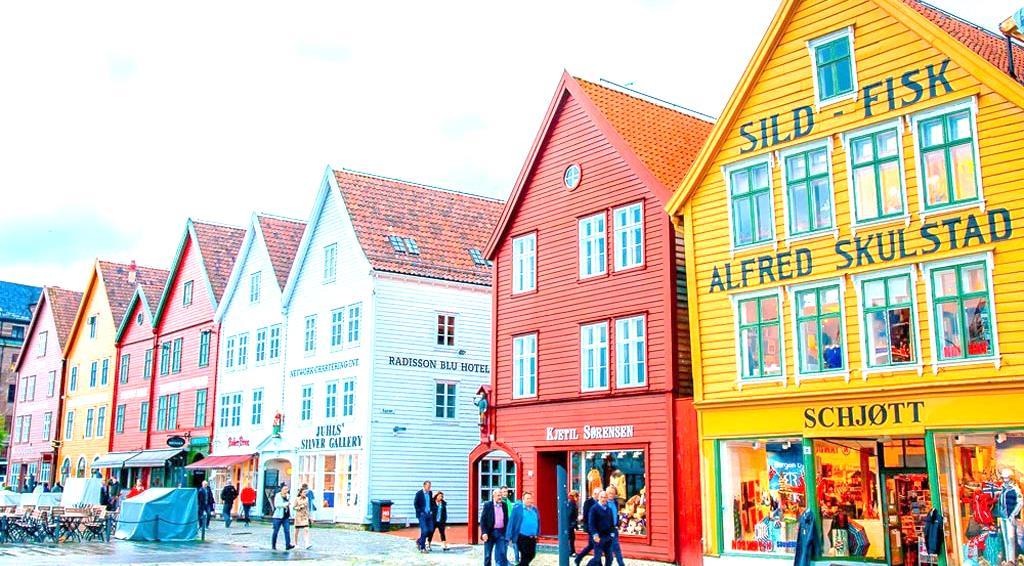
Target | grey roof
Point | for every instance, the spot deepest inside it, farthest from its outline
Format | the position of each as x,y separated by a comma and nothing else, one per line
15,300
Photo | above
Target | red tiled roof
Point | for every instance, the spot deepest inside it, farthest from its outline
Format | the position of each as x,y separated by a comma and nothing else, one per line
153,286
445,225
282,236
120,288
64,305
666,141
988,44
219,245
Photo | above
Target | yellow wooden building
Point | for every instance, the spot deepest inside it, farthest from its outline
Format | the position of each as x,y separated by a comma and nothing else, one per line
90,351
856,286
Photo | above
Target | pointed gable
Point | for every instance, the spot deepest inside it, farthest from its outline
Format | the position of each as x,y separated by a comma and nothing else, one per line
444,225
218,244
120,284
989,45
282,237
64,305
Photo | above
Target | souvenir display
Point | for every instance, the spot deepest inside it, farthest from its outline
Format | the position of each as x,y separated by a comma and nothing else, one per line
848,497
623,469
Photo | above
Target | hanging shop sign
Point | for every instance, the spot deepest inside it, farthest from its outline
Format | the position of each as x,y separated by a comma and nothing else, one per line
950,234
863,415
175,441
323,368
553,434
330,436
443,365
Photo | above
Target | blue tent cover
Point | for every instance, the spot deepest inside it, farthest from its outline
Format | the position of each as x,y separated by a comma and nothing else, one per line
159,514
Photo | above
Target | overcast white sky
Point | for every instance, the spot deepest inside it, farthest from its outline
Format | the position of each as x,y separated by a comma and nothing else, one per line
118,120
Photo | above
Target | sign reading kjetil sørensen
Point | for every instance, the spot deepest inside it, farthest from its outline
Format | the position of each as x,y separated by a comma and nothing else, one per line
868,414
589,432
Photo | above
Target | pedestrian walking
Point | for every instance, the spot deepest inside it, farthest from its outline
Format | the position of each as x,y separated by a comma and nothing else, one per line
115,493
587,506
248,499
602,524
492,530
137,489
280,519
105,495
524,527
227,499
58,488
422,503
301,509
572,511
614,548
46,487
206,504
440,511
510,501
312,500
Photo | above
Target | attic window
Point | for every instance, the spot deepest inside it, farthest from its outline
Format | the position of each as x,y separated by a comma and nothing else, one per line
397,244
478,258
138,318
572,176
410,244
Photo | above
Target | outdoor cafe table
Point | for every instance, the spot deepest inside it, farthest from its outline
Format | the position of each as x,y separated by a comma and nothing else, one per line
71,523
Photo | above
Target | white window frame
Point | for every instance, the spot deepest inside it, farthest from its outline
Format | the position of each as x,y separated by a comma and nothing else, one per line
330,263
727,171
811,49
243,351
455,403
331,399
524,262
309,336
255,284
454,326
926,271
348,397
229,352
338,329
736,299
619,254
844,341
586,347
353,324
851,189
274,352
256,418
922,197
521,389
631,343
599,262
789,152
259,350
306,402
47,425
865,369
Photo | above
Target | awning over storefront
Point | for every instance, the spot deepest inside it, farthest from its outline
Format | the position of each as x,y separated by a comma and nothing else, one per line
152,458
214,462
114,459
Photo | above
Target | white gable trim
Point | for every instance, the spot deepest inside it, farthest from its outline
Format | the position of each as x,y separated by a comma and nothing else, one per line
251,233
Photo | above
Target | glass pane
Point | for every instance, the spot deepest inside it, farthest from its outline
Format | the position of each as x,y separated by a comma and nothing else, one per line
749,364
832,348
819,161
899,290
952,346
900,336
979,333
822,203
806,304
849,493
888,143
759,177
867,193
769,309
892,197
740,182
862,150
974,278
935,177
770,350
764,217
960,126
944,282
931,130
878,339
809,354
801,213
962,157
748,311
796,167
874,293
743,221
830,300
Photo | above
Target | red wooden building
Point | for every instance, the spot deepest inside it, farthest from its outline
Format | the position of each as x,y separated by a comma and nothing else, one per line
591,353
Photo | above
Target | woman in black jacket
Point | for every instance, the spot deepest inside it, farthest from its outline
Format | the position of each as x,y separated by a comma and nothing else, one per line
572,509
439,508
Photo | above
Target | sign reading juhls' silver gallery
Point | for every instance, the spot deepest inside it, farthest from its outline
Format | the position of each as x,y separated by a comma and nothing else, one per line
331,436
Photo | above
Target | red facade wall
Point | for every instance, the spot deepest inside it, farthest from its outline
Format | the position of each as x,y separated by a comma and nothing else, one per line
136,340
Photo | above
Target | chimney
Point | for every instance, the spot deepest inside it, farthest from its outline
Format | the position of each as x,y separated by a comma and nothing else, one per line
1012,28
133,273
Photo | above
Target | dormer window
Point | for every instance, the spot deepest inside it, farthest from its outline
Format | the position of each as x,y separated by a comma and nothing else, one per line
404,245
479,259
835,71
410,244
397,244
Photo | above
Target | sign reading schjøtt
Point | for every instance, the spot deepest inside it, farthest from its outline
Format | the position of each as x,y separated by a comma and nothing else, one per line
589,432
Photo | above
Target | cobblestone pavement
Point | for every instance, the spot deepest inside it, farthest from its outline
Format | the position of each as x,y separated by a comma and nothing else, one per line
244,545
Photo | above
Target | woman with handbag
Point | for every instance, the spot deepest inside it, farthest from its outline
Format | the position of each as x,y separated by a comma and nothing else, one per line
301,508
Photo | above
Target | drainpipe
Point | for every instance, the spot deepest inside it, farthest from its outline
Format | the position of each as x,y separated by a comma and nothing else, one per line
1009,58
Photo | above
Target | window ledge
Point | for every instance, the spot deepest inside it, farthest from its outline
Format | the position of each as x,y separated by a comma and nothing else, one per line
903,218
790,240
996,361
936,211
630,387
773,244
865,372
749,381
852,95
802,377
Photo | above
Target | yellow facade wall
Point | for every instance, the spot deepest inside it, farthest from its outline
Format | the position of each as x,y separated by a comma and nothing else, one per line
81,351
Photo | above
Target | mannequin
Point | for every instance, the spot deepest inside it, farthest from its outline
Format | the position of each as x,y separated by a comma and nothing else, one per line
1008,509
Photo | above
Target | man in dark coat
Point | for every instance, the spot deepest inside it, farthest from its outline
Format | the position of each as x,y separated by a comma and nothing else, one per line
601,520
422,503
105,495
493,521
587,506
227,498
206,504
115,493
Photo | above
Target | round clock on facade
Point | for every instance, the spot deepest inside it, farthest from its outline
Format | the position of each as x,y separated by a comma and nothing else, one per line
573,175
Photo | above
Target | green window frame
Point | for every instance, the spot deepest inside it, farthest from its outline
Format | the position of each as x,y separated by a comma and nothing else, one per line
875,159
199,420
962,306
889,321
204,348
833,67
818,311
948,159
177,346
147,364
762,329
165,358
750,205
809,191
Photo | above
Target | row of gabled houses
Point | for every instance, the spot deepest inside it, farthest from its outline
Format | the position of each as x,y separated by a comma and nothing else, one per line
784,317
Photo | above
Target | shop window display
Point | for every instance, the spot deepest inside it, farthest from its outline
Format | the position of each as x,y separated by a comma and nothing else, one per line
849,498
981,477
624,469
763,495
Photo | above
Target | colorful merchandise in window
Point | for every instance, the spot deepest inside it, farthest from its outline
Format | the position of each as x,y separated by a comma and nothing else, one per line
624,469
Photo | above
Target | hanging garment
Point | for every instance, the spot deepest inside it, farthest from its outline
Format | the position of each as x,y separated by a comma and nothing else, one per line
807,544
934,533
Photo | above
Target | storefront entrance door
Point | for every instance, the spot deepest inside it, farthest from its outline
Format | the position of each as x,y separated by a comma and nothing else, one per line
907,504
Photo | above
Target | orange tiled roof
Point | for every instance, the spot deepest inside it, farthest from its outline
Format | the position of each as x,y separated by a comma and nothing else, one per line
64,305
666,141
989,45
219,245
120,288
444,224
282,236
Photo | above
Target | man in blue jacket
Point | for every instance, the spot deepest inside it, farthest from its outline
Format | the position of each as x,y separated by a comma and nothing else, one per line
614,550
601,521
422,502
524,528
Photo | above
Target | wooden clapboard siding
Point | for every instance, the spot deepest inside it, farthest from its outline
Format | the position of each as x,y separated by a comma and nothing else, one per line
136,339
